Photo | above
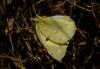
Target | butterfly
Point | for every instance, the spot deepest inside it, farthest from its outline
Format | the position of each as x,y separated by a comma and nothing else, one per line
54,33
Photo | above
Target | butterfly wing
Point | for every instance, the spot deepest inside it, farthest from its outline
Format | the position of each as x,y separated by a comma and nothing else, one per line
55,50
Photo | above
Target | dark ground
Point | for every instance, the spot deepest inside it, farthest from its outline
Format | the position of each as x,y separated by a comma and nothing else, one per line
20,48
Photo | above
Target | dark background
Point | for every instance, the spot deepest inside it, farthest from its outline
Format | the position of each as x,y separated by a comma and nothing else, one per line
20,48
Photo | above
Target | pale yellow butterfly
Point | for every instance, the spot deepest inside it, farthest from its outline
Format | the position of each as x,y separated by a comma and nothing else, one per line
58,30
